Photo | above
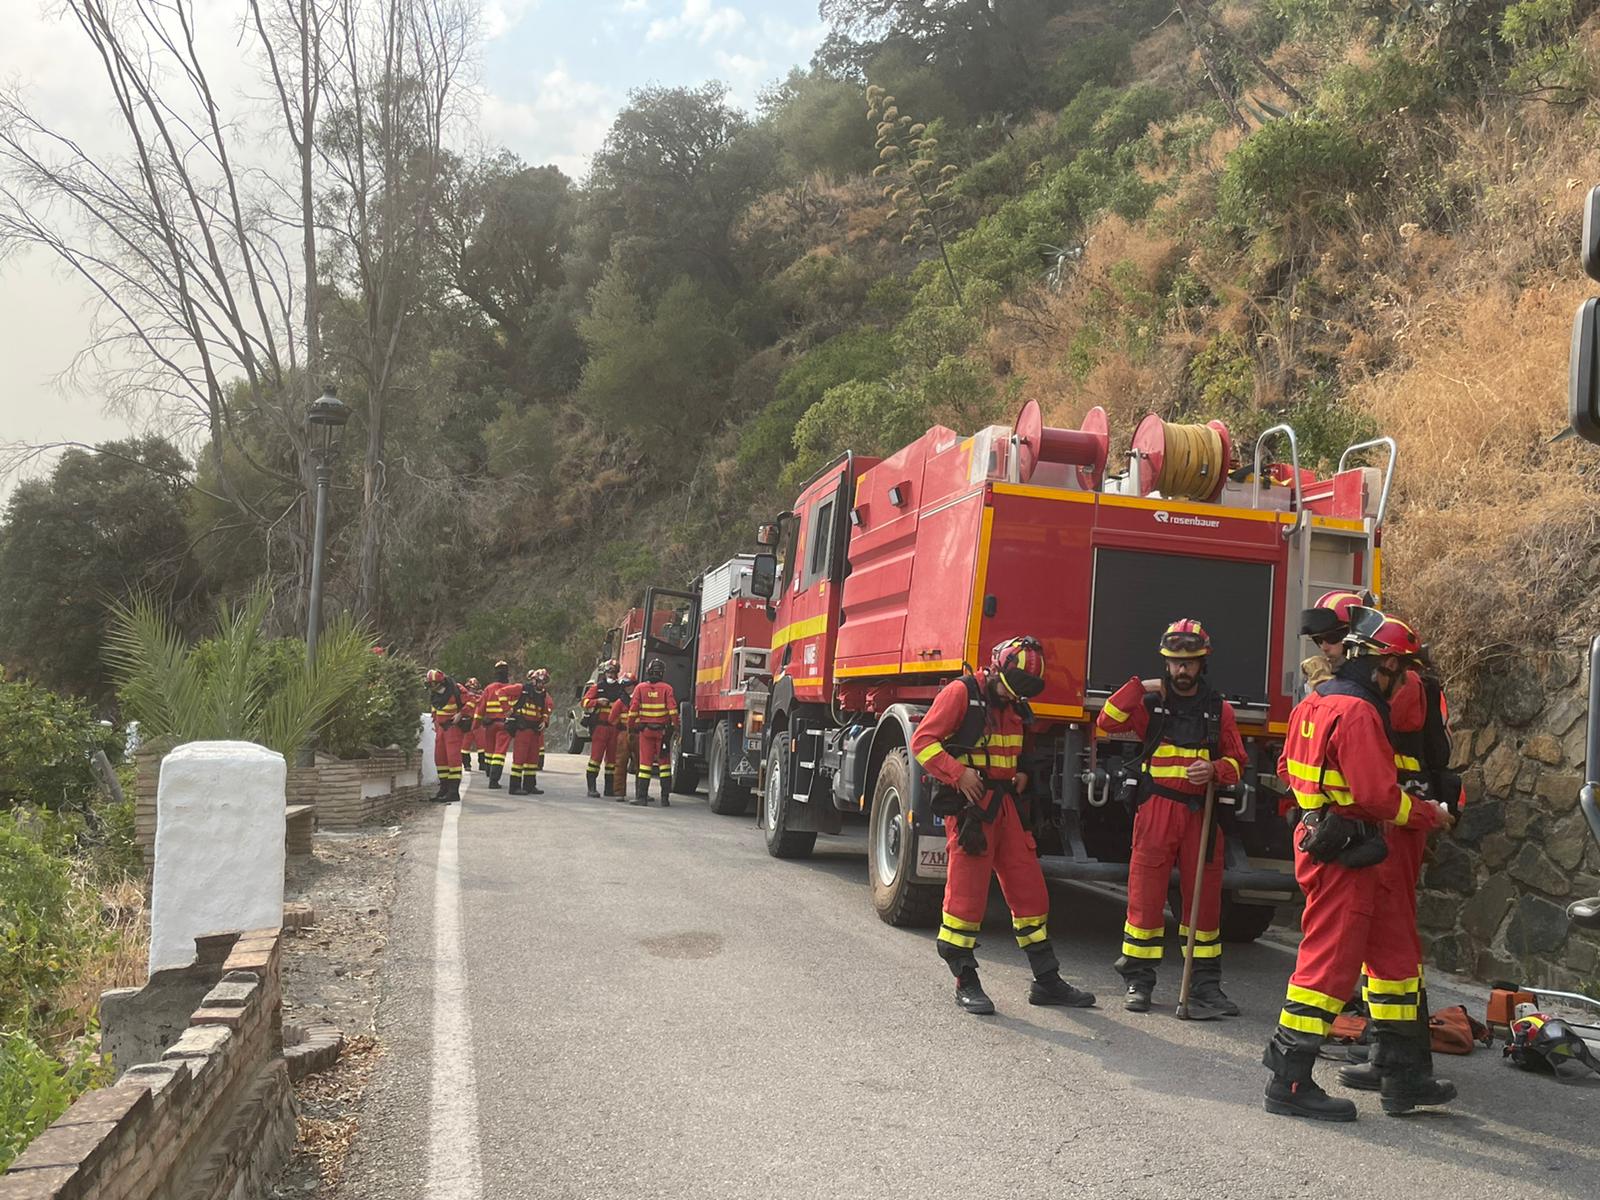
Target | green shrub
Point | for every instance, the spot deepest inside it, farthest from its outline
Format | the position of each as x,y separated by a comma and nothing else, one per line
1301,165
36,1087
869,417
382,712
1223,375
41,940
1366,95
767,440
1100,58
1546,57
46,742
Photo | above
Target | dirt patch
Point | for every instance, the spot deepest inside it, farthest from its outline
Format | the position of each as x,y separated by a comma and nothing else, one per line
331,974
683,945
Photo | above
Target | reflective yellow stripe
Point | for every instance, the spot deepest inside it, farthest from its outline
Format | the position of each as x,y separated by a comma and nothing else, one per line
1403,813
1201,935
1134,931
1301,1024
1208,949
1319,800
965,940
1169,772
1028,939
1310,774
931,750
958,923
1393,987
1133,951
1406,763
1391,1012
1303,995
1236,764
1115,713
809,627
1191,753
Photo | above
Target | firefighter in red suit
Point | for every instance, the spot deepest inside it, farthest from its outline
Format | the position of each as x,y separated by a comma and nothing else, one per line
493,707
652,717
598,702
970,742
472,690
1189,740
621,717
447,702
528,713
1339,764
1419,732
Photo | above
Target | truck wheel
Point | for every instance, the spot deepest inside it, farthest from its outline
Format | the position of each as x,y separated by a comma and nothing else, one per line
1244,922
781,841
685,774
575,743
723,796
892,851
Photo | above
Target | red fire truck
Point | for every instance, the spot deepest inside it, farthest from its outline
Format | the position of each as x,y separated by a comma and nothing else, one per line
892,575
671,632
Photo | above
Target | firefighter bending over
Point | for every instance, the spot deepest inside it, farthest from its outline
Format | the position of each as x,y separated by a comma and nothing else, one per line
493,705
1339,764
530,706
1190,741
970,742
652,717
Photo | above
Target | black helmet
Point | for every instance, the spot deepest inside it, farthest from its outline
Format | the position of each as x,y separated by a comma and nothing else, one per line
1541,1043
502,671
655,670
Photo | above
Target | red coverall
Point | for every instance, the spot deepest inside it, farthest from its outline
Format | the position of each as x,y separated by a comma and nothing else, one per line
652,715
1011,852
469,732
1165,829
621,718
493,706
447,736
1338,754
602,733
532,711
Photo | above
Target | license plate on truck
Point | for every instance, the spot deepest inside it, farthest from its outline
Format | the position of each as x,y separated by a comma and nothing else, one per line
933,857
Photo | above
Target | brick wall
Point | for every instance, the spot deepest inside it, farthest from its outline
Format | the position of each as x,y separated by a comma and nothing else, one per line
211,1119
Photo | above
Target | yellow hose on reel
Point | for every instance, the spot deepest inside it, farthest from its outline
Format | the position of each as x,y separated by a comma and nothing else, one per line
1184,462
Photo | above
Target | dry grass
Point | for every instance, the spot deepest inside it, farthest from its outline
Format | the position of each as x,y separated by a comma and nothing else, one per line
119,958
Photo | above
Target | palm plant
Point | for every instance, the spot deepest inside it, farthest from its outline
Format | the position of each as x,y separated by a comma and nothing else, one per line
225,688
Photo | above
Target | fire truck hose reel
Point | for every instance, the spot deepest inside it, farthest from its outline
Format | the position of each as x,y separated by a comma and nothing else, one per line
1186,462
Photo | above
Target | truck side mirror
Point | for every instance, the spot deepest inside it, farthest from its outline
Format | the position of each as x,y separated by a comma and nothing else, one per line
766,535
764,575
1591,235
1583,370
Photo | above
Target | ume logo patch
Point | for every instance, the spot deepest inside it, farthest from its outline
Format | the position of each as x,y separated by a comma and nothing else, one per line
1166,518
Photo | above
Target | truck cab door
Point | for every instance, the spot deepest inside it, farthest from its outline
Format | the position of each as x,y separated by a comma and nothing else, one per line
671,619
802,646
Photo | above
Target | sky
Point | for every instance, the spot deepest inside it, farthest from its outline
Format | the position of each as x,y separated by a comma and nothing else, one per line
551,77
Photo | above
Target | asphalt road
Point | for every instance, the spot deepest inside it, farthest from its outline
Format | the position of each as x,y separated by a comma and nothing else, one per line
641,1003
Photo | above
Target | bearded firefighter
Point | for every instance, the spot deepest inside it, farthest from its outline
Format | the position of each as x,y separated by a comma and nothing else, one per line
598,702
970,742
530,706
493,705
472,690
1189,743
446,703
652,716
1339,764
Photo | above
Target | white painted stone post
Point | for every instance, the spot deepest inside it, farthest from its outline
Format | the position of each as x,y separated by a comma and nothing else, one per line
219,846
430,773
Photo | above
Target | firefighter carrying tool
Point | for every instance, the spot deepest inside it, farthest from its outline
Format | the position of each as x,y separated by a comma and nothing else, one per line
447,702
970,741
598,703
529,706
652,716
493,739
1189,742
1339,764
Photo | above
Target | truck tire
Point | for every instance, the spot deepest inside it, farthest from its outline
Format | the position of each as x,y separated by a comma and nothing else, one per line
892,852
1240,922
575,743
781,841
723,796
685,771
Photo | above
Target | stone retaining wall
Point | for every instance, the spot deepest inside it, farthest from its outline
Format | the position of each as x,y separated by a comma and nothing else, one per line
211,1118
1494,895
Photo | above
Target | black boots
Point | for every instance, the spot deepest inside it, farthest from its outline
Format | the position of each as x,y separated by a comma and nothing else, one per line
606,788
1403,1060
530,786
1052,989
593,778
516,784
453,796
666,791
1291,1092
1137,998
970,996
1205,987
494,777
1140,977
641,793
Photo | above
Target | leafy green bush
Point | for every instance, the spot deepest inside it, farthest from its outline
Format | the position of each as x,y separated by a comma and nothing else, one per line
46,742
1098,59
382,712
767,441
1301,165
36,1087
1223,375
1366,95
1546,57
869,417
41,941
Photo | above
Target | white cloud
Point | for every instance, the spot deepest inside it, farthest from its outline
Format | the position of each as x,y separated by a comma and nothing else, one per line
744,76
798,39
702,20
563,122
635,6
500,17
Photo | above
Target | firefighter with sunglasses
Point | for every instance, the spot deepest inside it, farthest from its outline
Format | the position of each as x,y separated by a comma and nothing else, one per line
1189,741
1326,623
970,742
1338,761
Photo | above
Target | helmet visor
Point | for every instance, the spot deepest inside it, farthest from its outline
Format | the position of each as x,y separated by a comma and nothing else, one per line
1183,645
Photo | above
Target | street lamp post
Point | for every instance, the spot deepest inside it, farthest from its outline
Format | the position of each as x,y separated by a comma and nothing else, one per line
325,421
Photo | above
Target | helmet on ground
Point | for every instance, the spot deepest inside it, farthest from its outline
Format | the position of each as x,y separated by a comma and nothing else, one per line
538,677
435,678
1375,633
655,670
1330,616
1185,638
1018,663
474,684
1542,1043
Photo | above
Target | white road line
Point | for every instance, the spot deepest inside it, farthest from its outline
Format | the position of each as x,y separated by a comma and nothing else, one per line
454,1169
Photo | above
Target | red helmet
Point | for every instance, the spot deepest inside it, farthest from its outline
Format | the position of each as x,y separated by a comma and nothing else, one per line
609,667
434,677
538,677
1543,1043
1185,638
1329,617
1373,632
474,684
1019,664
